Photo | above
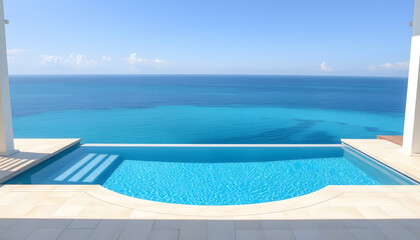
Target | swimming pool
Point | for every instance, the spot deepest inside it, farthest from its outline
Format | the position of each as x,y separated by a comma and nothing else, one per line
210,174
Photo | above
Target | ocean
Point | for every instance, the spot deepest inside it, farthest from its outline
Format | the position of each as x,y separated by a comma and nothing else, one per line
207,108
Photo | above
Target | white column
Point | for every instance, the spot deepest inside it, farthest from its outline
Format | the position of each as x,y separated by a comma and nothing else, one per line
6,130
411,141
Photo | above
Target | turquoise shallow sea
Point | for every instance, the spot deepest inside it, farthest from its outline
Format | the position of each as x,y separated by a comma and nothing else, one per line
206,108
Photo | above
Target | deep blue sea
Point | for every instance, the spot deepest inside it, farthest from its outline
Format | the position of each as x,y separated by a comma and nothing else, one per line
206,108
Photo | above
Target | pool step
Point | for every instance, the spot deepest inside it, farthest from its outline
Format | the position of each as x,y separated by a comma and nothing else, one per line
74,168
88,169
95,174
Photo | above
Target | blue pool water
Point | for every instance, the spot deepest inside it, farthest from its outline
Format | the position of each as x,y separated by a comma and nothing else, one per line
212,175
206,108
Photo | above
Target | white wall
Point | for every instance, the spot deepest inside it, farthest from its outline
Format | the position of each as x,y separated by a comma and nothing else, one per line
411,141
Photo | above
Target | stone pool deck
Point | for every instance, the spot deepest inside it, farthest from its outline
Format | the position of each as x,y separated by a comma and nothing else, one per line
30,153
388,153
92,212
335,212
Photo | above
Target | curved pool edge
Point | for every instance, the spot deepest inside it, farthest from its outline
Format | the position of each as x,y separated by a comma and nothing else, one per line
314,198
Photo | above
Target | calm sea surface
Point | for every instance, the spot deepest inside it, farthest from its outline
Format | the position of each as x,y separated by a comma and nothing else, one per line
206,108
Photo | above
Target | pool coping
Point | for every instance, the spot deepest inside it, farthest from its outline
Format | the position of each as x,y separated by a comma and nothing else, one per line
313,198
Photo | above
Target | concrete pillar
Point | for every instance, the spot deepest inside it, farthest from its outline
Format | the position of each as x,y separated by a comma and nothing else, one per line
411,141
6,130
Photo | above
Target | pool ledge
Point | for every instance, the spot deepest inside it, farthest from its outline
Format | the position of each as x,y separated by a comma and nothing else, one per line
32,151
314,198
389,154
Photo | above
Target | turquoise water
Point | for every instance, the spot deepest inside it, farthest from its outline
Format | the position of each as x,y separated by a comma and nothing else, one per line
211,175
206,108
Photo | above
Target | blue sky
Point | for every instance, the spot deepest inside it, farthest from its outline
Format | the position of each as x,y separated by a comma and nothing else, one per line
324,37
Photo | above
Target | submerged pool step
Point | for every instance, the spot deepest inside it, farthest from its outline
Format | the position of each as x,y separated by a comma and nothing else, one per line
92,165
100,169
87,168
74,167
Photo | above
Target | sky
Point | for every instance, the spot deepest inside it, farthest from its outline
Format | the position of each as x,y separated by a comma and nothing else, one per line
305,37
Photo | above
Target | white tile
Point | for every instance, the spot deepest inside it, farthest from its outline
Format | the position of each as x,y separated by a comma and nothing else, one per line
55,223
409,223
303,225
84,223
275,225
45,234
136,230
193,230
221,230
166,224
387,224
368,234
249,235
415,232
161,234
20,230
312,234
398,234
108,229
7,222
247,225
342,234
73,234
279,235
330,224
359,224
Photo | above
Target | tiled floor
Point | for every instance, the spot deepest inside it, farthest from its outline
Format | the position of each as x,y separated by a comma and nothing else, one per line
75,229
335,212
91,212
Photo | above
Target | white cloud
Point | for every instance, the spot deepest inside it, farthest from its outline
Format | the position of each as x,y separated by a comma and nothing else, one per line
324,67
17,52
134,60
17,55
106,58
372,68
396,66
72,60
51,59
